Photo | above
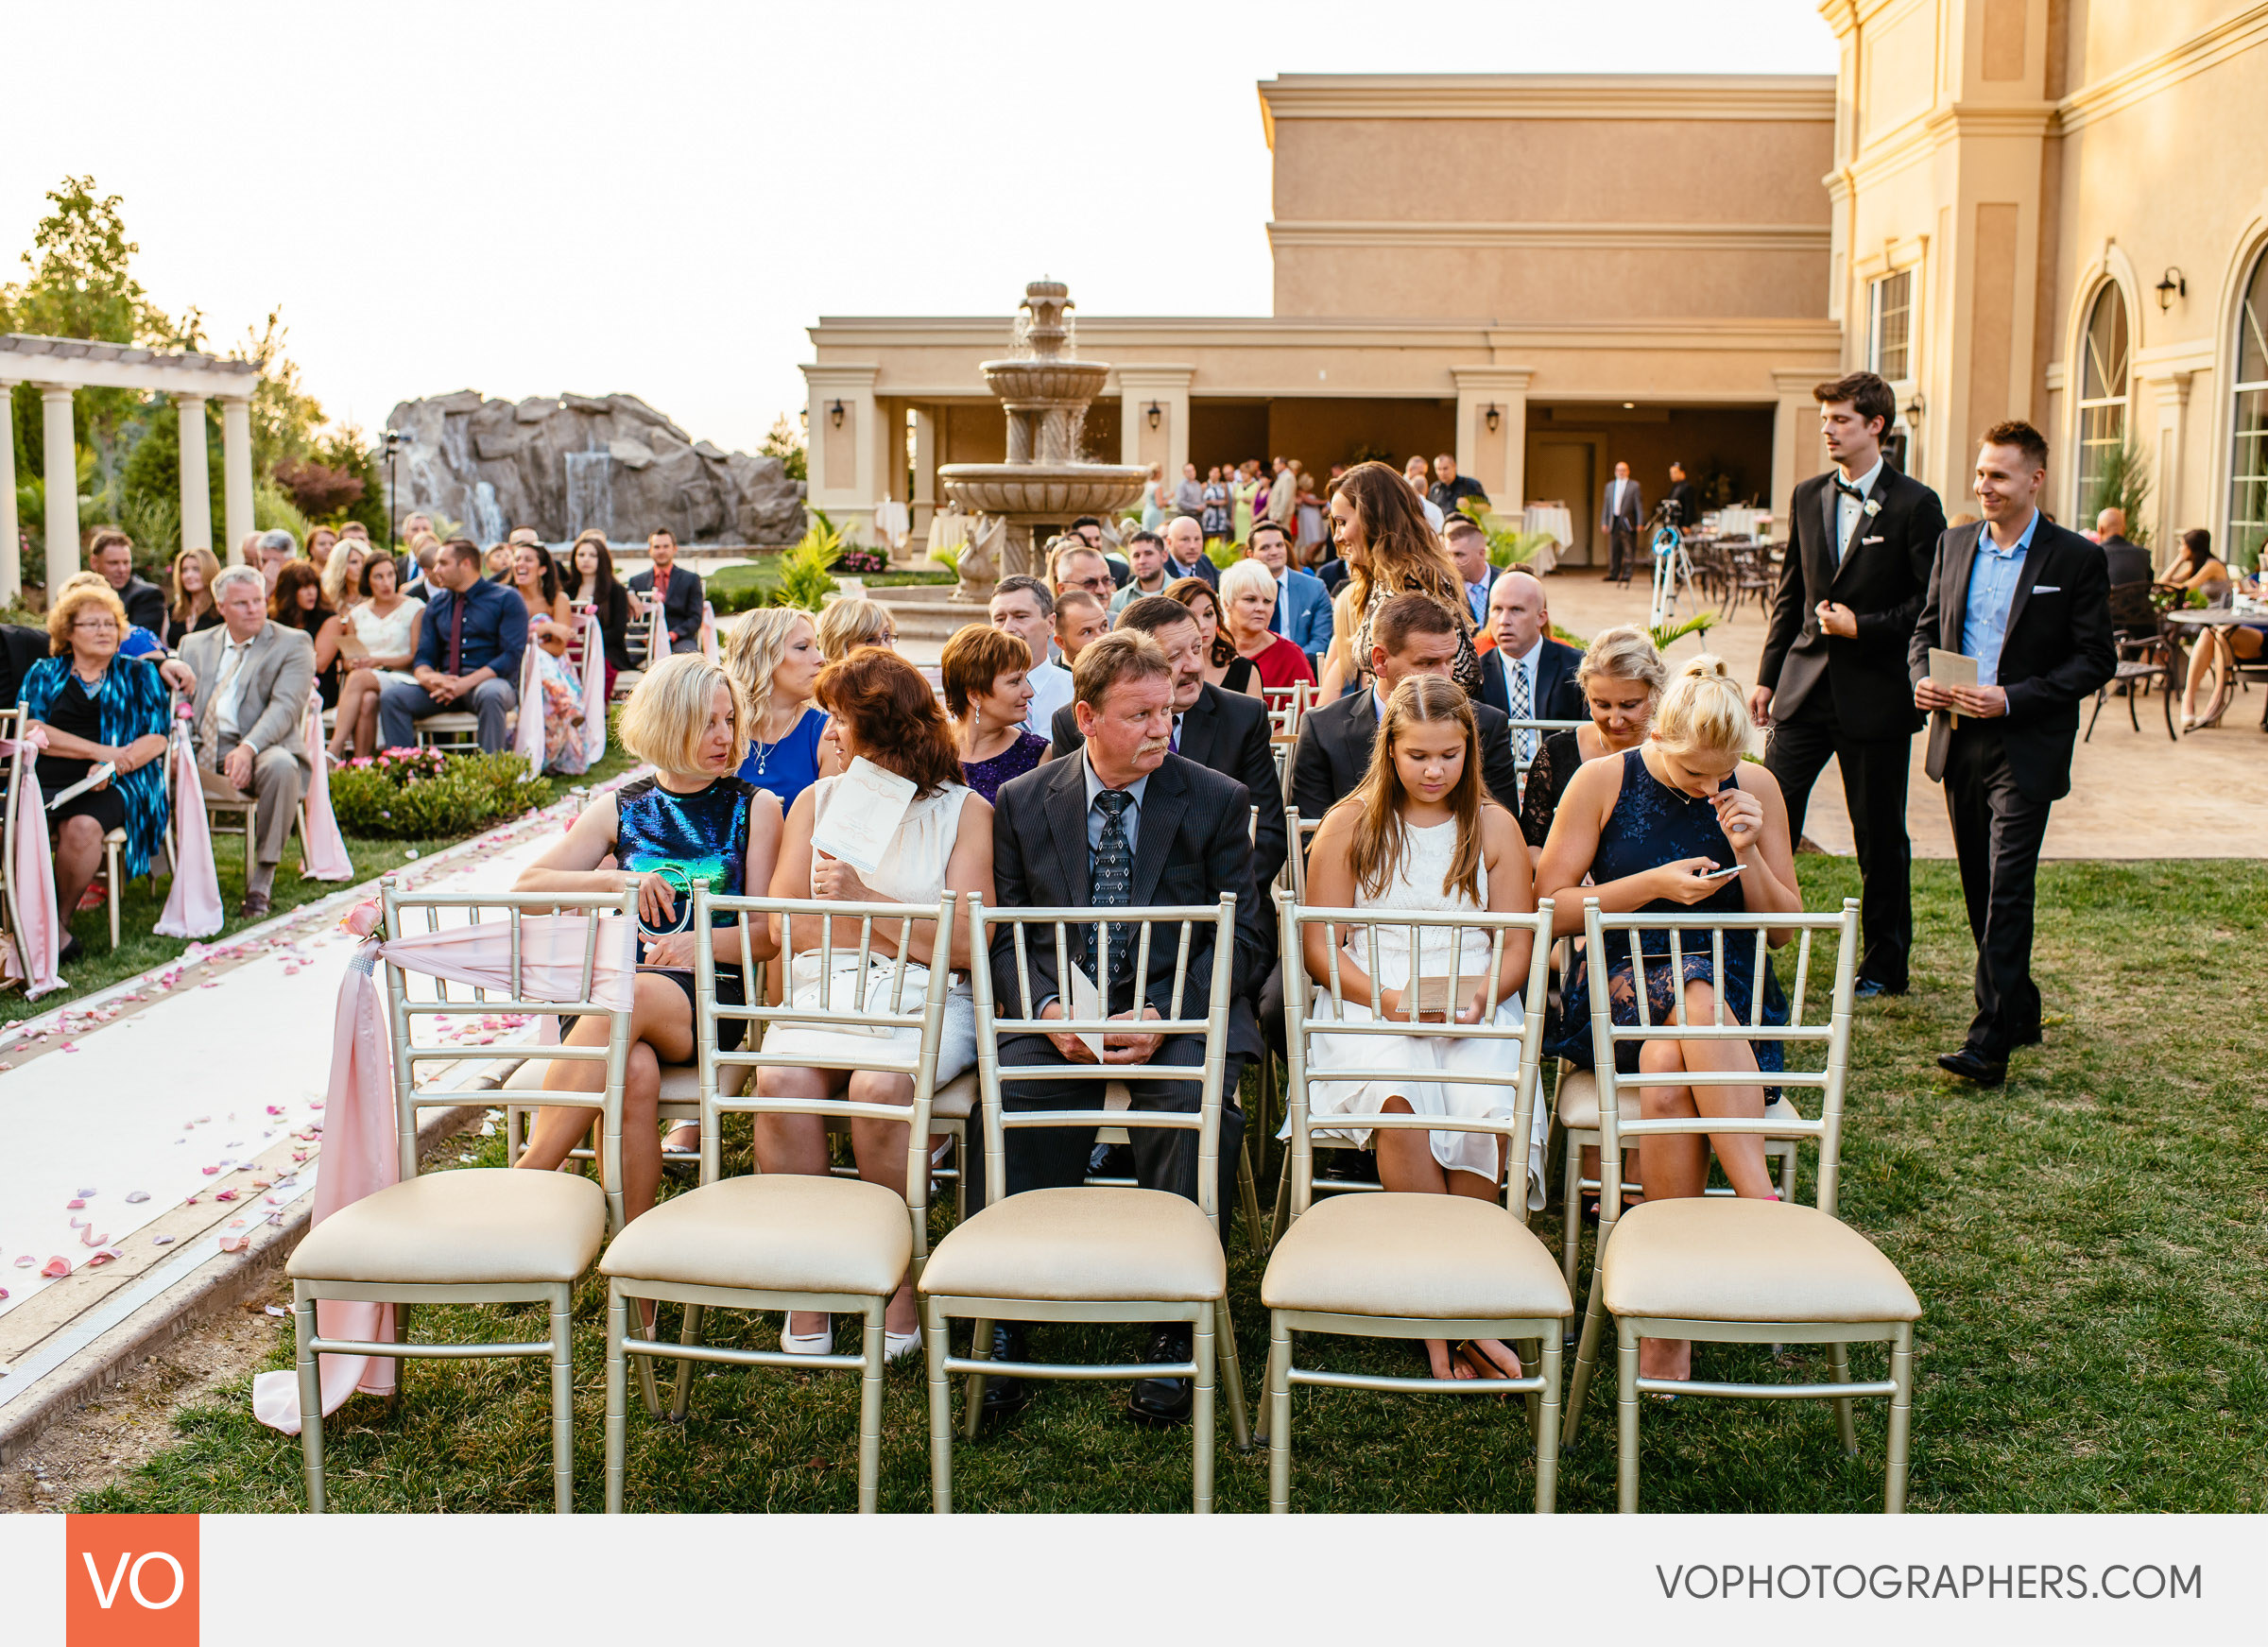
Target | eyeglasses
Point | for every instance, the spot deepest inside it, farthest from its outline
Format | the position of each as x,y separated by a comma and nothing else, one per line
96,626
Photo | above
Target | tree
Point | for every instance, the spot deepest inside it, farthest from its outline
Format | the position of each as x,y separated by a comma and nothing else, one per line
785,442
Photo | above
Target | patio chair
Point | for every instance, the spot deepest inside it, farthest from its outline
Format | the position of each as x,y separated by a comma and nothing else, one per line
2145,656
1397,1265
1734,1270
1087,1253
783,1241
479,1235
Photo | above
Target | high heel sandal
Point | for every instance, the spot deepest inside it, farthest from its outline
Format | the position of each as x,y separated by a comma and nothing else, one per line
821,1343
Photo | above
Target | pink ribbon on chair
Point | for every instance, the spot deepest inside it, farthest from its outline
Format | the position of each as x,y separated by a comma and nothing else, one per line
529,742
193,906
595,688
322,849
361,1141
31,874
658,648
707,632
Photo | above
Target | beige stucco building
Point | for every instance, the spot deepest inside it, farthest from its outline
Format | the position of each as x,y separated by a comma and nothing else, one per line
2047,209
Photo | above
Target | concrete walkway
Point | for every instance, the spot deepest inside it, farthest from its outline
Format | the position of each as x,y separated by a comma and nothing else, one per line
167,1132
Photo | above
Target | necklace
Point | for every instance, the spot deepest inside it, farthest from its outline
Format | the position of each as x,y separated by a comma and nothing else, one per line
764,750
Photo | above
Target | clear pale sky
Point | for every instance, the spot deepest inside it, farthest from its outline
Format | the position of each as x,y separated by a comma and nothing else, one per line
660,199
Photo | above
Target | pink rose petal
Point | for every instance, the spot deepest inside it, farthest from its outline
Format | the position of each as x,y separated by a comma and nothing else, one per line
275,1108
135,1197
160,1241
234,1242
87,1193
73,1205
224,1195
208,1170
25,1261
56,1266
88,1238
100,1258
68,1047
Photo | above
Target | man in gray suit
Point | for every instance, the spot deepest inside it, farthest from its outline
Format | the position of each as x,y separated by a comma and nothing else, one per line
253,678
1620,512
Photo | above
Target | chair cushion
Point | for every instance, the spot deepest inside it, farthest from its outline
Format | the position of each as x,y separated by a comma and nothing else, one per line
1713,1259
477,1224
680,1083
1434,1256
776,1231
1578,1102
957,1100
1106,1244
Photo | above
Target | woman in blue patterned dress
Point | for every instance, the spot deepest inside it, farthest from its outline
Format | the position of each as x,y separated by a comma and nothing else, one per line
694,821
1646,828
96,706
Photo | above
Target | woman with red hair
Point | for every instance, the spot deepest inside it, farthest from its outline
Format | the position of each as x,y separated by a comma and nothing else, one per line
881,710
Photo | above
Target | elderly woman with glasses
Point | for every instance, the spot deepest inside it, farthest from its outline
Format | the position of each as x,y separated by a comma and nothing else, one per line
94,706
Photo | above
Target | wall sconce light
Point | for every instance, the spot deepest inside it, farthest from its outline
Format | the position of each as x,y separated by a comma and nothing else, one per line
2173,285
835,413
1914,411
1155,413
1494,413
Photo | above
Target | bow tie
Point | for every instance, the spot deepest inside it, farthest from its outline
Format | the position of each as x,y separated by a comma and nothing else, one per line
1851,492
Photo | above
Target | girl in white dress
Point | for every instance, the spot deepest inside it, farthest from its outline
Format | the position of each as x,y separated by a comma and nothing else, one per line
880,708
1421,834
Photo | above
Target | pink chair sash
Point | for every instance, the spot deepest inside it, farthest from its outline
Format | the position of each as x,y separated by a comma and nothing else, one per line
529,742
594,689
361,1141
193,906
31,872
707,632
659,648
322,849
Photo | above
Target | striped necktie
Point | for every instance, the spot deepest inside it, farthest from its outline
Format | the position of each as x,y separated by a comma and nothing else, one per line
1112,883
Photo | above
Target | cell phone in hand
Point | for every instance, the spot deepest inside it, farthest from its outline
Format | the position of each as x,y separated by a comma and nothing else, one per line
1722,874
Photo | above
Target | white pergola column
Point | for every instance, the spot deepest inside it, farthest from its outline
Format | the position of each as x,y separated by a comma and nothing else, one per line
11,531
197,485
235,472
62,453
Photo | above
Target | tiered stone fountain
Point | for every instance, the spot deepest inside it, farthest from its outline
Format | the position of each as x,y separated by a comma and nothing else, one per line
1045,391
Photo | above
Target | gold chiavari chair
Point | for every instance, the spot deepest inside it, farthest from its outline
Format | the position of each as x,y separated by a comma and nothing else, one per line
1089,1253
1389,1265
1733,1270
785,1241
476,1235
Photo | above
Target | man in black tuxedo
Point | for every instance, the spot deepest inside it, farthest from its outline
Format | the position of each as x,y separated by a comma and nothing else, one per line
1123,822
682,593
2030,602
1833,679
1527,676
1413,634
1225,730
1683,501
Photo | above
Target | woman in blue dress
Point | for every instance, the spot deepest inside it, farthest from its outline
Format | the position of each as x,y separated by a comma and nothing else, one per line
774,657
98,706
694,821
1646,828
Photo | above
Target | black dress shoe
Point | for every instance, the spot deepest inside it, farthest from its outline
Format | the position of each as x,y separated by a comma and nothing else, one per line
1111,1160
1867,988
1970,1066
71,952
1163,1401
1005,1397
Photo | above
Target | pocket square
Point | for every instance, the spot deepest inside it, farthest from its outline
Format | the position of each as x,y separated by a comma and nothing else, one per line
2047,589
1863,541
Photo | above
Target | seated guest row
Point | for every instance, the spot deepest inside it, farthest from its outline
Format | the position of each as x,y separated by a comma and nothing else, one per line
1120,818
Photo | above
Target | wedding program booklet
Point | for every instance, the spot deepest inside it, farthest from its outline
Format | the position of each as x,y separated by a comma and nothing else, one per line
1084,1002
1952,669
863,817
101,774
1438,994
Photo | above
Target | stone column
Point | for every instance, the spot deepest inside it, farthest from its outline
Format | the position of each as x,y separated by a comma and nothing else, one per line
1495,458
1167,444
197,485
844,479
11,531
62,484
924,500
2170,394
1796,451
235,472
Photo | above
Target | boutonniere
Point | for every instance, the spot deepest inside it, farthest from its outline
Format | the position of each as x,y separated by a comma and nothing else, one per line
1873,508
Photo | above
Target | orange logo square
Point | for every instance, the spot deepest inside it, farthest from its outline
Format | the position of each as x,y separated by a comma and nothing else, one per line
131,1580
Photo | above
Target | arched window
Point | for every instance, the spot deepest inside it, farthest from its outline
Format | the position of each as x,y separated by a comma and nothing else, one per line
2103,403
2248,455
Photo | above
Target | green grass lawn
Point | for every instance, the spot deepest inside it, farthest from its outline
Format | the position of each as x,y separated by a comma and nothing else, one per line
2087,1242
144,900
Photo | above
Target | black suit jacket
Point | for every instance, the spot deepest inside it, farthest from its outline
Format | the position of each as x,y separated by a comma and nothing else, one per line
1334,752
1333,574
2057,653
1881,574
1190,848
1228,733
144,604
1204,569
681,605
1558,695
1688,502
2126,563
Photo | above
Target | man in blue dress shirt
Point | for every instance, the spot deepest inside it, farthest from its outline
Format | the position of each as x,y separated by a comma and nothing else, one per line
2031,603
469,651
